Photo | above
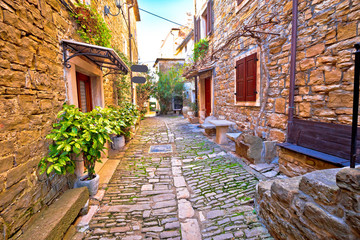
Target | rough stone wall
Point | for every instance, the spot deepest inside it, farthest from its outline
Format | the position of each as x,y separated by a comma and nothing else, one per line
327,32
32,91
119,40
319,205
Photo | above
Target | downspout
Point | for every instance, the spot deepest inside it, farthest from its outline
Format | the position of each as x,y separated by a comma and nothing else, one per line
292,65
130,54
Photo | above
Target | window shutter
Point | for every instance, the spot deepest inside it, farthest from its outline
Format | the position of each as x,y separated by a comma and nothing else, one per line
209,18
250,72
240,80
195,30
198,28
239,1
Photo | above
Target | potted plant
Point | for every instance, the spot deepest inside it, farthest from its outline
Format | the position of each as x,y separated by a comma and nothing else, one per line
81,134
193,114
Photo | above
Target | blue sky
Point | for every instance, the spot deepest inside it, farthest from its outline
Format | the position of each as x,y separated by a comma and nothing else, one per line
151,30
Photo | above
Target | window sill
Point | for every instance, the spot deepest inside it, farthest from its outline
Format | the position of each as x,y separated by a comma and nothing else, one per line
248,104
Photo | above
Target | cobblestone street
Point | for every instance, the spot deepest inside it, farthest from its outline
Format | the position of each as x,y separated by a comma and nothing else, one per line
197,191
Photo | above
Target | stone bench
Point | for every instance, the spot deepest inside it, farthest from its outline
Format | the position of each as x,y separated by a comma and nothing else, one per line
307,160
53,222
222,127
233,136
210,129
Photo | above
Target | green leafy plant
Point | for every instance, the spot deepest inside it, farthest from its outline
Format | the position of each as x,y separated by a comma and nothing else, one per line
200,49
84,133
144,92
92,27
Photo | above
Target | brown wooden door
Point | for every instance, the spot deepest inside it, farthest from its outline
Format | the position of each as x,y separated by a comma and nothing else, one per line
208,96
84,92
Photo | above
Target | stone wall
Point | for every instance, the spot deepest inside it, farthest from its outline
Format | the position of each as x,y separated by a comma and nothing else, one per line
319,205
327,32
32,92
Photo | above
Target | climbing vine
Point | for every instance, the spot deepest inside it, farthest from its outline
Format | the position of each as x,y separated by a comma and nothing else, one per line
200,49
92,27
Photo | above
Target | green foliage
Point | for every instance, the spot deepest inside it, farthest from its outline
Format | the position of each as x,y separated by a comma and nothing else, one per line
92,27
83,133
123,82
200,49
144,92
170,84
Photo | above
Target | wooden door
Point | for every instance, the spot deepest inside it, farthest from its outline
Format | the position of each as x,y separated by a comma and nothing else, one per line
208,96
84,92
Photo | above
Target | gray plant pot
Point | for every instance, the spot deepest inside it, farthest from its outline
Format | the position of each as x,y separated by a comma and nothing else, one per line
92,184
118,142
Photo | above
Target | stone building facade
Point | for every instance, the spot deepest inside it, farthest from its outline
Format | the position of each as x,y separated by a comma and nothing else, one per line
34,84
326,34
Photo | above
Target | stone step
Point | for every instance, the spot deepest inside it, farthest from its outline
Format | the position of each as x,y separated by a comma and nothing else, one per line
232,136
54,221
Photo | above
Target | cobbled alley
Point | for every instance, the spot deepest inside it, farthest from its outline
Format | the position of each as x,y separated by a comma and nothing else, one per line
174,183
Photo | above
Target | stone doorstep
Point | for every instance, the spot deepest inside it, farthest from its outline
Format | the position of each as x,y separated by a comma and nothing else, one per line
59,216
107,171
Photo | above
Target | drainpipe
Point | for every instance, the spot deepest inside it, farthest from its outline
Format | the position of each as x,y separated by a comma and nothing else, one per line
292,65
130,54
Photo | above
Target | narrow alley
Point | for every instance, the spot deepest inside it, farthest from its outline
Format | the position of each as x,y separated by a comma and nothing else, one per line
193,191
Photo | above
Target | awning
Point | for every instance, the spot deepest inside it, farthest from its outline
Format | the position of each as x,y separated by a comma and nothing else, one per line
101,56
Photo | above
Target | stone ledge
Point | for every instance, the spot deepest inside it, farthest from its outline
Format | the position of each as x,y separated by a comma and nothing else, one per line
54,221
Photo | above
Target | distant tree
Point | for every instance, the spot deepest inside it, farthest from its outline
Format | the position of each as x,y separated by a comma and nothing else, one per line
144,92
170,84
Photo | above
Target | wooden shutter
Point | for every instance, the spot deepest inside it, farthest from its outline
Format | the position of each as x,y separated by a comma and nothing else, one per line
240,80
198,28
195,30
250,73
239,1
209,18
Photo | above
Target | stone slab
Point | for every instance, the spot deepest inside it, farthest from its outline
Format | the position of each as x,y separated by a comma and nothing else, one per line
233,136
221,123
107,171
190,230
185,209
58,217
179,182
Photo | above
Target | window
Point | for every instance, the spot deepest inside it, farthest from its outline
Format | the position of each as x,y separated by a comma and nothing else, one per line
207,20
246,79
84,92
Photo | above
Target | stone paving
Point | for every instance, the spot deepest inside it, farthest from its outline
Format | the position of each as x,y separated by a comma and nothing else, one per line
195,192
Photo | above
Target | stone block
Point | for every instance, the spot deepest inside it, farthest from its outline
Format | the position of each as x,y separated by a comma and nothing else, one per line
269,151
349,179
59,216
322,219
249,147
7,196
284,190
321,186
6,163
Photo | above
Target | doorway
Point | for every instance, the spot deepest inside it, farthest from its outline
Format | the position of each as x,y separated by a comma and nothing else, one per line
208,96
84,92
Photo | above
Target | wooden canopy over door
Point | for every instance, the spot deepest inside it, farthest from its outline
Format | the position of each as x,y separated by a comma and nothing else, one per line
84,92
208,96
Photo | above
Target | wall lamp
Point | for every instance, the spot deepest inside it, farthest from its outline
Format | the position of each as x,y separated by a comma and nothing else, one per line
107,9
